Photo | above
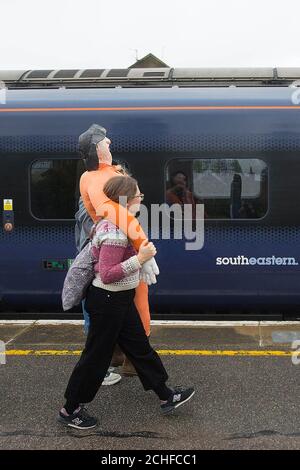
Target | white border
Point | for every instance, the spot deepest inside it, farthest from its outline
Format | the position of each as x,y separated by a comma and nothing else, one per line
159,322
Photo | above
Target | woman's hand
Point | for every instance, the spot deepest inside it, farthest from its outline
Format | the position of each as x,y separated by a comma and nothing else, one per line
147,251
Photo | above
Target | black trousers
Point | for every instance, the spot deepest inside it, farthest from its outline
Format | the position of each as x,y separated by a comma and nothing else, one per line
113,319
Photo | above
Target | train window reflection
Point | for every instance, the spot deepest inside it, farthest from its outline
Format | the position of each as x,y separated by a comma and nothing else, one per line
54,188
229,188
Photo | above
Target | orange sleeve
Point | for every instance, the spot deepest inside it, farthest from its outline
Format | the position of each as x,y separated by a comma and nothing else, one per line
142,305
83,186
121,217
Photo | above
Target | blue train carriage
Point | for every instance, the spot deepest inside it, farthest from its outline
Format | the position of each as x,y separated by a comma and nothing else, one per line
226,138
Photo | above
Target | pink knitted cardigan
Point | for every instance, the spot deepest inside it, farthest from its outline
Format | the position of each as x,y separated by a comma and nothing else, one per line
117,267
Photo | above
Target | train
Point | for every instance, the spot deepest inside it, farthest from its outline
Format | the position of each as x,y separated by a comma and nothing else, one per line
228,139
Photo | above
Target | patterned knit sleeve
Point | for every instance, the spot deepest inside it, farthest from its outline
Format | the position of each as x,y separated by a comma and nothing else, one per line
112,268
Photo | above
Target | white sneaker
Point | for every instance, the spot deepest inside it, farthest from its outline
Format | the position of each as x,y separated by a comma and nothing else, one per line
111,378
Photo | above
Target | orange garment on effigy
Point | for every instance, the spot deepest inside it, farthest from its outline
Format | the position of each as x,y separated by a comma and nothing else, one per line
97,204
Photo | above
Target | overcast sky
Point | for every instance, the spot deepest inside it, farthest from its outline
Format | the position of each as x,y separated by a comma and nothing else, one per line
40,34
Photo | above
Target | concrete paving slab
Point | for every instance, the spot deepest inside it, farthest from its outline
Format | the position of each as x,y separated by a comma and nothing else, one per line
184,337
213,337
9,332
283,334
51,335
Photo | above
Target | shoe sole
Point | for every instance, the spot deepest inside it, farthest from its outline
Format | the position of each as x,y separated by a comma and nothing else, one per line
61,421
112,382
169,410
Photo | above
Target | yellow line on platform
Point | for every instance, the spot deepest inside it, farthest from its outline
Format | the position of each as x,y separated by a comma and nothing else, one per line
162,352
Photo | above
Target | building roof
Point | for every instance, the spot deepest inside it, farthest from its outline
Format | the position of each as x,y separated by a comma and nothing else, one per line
150,60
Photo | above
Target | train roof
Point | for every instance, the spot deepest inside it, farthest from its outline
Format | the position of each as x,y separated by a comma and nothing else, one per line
151,77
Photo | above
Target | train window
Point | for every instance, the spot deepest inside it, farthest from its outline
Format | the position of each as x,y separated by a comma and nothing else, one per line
229,188
54,188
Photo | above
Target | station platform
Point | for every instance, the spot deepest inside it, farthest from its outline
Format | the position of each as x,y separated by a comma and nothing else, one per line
246,376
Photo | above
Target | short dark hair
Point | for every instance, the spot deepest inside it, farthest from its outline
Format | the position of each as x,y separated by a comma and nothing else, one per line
91,159
179,172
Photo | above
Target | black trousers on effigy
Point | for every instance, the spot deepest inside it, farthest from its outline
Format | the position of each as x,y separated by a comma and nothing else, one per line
113,319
